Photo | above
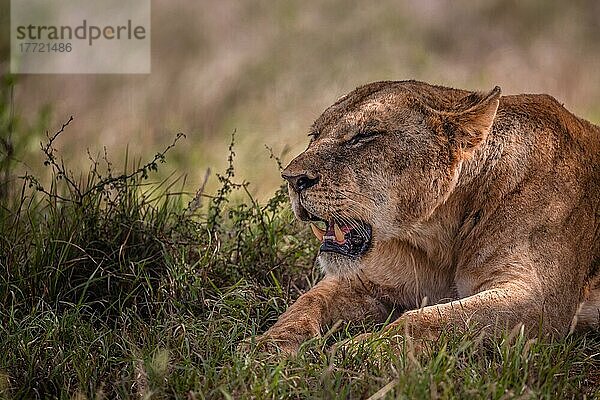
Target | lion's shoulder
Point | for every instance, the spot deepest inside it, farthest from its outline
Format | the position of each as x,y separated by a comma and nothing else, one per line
537,113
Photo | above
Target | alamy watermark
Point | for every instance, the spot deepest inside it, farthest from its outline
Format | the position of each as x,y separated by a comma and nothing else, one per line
80,36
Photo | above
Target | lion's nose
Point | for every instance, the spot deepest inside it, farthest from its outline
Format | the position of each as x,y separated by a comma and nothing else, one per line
300,182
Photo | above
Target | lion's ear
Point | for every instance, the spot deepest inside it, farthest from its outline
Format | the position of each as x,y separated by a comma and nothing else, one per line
469,127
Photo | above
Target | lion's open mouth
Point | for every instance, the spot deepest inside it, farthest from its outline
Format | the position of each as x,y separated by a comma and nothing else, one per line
351,239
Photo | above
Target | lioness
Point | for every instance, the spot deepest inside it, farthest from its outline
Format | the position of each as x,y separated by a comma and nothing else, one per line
451,207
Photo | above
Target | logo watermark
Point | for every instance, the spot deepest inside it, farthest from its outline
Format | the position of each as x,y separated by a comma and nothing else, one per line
80,36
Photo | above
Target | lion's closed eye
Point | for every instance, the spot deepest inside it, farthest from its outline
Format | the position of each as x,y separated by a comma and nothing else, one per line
363,137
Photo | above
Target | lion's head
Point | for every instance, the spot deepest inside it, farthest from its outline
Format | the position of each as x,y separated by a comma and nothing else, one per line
381,160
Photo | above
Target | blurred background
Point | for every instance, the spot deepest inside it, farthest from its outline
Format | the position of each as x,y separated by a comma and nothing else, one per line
266,69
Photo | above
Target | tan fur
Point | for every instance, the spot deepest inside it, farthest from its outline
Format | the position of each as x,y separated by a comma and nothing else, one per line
485,207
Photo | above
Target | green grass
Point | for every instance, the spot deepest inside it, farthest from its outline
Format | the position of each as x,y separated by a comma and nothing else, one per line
115,288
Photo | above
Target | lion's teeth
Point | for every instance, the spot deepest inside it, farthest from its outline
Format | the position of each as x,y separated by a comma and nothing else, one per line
339,235
319,233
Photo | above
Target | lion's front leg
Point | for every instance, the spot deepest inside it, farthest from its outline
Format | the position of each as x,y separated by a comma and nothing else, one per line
490,312
330,300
